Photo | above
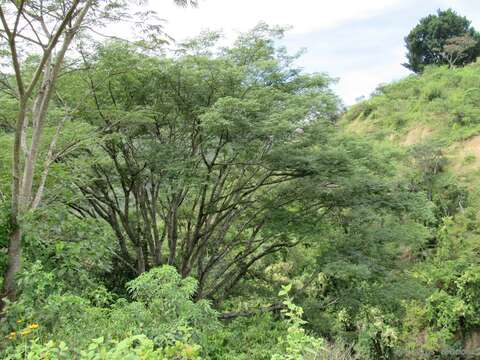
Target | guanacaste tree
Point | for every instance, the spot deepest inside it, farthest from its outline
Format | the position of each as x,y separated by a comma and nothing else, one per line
197,150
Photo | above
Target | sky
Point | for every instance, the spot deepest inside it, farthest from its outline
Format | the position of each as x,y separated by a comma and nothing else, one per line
358,42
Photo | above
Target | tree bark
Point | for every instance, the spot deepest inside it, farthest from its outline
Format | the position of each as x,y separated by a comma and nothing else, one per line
9,290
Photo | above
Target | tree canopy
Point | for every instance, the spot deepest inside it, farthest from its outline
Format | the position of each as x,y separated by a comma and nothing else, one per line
442,38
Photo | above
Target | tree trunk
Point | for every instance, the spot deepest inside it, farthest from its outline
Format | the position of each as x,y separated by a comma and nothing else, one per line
141,265
9,290
173,235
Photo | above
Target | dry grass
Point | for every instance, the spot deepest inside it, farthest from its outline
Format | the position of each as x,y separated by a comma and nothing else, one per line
417,135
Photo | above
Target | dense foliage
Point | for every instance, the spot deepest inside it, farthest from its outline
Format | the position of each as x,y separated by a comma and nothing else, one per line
434,119
217,203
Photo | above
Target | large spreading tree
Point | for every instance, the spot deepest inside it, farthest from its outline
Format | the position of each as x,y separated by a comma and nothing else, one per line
215,161
197,151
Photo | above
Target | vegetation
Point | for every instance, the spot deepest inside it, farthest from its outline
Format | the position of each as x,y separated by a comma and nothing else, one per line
444,38
47,30
219,203
433,120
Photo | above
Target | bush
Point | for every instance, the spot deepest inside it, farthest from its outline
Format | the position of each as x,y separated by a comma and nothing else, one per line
162,315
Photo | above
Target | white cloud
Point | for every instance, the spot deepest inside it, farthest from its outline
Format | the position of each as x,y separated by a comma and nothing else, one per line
363,81
236,15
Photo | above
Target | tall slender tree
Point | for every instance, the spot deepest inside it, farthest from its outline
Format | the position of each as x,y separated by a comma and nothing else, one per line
46,29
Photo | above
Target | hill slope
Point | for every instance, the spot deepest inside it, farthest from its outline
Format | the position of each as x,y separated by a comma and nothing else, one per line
441,106
431,122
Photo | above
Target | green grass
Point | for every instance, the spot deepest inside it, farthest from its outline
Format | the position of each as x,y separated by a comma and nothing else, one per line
444,100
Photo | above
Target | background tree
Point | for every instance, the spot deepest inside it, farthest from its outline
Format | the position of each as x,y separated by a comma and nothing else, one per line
427,41
457,48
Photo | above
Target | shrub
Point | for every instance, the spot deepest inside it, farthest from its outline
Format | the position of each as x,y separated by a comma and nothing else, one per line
162,316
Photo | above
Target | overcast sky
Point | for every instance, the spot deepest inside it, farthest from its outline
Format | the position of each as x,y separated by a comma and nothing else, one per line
360,42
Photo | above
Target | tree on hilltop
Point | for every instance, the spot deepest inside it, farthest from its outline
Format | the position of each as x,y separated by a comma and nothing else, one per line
445,38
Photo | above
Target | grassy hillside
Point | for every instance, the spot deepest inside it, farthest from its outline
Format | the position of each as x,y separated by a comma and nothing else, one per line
431,123
441,106
446,101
